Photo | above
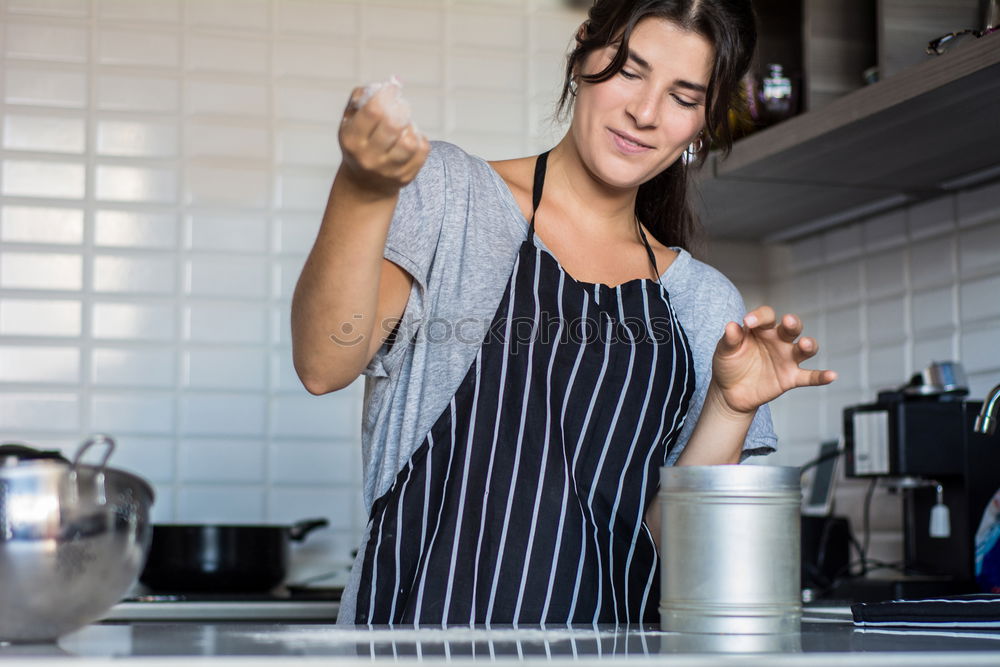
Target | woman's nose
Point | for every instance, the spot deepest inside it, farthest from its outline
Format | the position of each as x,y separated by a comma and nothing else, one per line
644,108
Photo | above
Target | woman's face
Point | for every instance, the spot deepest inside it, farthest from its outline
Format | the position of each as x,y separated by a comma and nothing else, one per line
637,123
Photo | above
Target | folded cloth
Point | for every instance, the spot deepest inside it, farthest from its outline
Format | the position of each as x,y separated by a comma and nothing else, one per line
978,610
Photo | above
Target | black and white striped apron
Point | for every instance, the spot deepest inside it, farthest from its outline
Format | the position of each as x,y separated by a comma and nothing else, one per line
525,503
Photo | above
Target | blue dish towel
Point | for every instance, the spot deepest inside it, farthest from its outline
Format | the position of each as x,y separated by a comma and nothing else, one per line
979,610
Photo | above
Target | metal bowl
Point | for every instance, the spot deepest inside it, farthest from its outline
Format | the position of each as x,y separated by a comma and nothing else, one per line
73,538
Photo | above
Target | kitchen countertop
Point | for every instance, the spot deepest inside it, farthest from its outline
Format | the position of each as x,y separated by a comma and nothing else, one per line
827,637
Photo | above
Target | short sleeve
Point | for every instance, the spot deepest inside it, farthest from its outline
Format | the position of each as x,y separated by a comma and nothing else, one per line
411,243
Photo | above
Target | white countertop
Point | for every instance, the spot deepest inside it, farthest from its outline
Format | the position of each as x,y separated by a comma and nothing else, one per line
827,637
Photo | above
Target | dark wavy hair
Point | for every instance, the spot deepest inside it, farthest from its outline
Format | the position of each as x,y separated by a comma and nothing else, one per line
730,26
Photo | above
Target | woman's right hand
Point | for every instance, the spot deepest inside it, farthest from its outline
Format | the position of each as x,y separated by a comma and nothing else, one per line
380,155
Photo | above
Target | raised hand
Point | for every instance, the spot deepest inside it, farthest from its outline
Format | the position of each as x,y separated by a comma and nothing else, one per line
758,361
382,150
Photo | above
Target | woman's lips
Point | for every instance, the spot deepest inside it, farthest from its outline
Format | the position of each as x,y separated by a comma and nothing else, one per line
627,143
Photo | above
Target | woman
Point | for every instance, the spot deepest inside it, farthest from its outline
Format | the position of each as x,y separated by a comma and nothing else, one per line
537,340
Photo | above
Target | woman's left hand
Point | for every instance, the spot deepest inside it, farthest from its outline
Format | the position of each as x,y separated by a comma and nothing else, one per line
757,362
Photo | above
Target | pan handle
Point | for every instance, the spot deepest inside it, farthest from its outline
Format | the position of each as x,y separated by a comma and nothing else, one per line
300,529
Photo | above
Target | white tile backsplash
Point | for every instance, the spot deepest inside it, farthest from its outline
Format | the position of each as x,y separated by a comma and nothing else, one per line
223,414
885,273
933,310
45,271
141,48
318,17
45,365
226,140
137,137
146,274
294,233
313,417
140,93
501,30
222,460
215,503
316,58
128,367
979,349
221,322
52,134
886,321
40,412
290,504
214,53
49,179
317,103
302,188
980,300
161,12
138,321
39,224
37,86
127,413
310,463
214,231
310,146
979,248
148,456
59,8
414,67
395,23
135,229
227,186
225,368
221,97
228,14
117,183
46,41
36,317
932,262
222,276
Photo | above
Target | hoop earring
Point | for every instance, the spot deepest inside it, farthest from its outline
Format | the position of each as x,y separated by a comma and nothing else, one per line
696,146
573,87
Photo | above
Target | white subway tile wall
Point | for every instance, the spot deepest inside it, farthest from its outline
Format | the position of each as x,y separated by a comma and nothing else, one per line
164,169
885,297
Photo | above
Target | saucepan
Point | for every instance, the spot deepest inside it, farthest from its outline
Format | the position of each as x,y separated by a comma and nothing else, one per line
222,558
73,537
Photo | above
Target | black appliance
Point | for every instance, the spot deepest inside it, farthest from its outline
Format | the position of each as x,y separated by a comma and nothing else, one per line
926,448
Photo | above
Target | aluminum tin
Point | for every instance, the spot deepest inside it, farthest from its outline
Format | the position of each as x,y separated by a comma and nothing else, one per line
730,550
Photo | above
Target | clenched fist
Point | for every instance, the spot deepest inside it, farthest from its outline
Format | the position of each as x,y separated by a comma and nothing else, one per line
382,150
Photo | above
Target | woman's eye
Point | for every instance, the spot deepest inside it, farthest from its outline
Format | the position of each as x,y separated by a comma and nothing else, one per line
688,105
629,75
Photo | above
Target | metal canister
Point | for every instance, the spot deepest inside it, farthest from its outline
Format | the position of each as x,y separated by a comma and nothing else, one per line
730,550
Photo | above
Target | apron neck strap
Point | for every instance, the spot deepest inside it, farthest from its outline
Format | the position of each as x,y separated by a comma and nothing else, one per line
536,189
536,198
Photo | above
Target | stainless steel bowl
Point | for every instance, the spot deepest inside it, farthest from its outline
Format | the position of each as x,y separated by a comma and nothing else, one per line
73,538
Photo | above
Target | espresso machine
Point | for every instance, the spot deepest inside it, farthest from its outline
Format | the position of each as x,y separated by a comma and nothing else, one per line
931,444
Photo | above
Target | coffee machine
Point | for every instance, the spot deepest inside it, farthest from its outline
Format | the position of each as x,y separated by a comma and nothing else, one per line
924,444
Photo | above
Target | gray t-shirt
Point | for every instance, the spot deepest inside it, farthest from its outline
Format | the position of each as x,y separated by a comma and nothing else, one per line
457,230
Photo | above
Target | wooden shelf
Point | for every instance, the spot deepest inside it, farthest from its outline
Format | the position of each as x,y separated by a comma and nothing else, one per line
928,130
